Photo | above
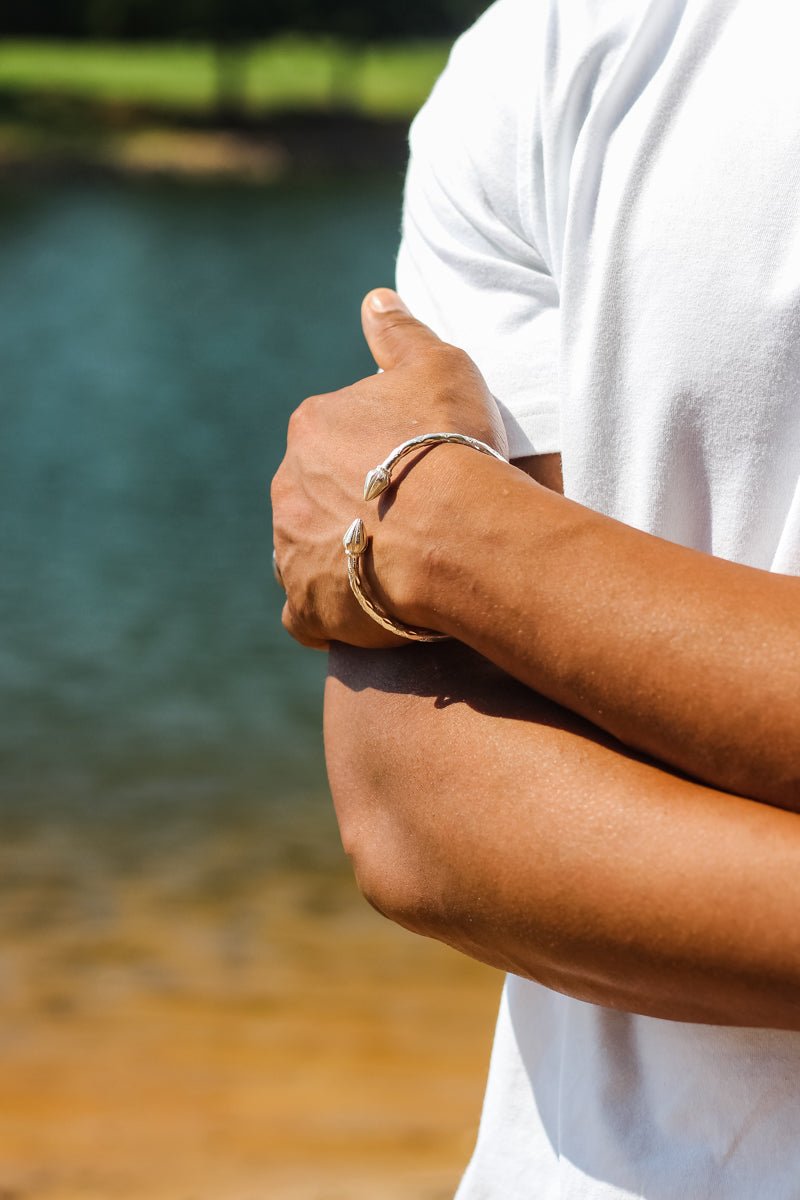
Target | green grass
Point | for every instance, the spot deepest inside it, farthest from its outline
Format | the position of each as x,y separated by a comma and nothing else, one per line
285,74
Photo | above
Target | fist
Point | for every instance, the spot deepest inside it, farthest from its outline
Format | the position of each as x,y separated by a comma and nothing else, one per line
333,440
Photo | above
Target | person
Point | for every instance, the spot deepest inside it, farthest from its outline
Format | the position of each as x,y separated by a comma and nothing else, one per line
595,783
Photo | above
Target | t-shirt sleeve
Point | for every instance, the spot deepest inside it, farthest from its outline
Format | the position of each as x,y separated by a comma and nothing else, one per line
468,264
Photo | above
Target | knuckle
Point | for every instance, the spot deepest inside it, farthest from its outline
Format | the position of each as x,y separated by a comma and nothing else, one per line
304,417
397,325
297,420
447,367
276,486
460,366
455,354
298,620
287,618
447,354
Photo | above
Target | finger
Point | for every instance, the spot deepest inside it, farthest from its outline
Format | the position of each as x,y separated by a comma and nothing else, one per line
300,634
392,334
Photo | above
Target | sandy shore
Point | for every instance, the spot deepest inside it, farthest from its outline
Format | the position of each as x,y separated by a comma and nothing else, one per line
280,1041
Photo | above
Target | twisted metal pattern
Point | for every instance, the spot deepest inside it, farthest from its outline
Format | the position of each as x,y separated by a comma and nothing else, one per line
355,543
356,540
379,478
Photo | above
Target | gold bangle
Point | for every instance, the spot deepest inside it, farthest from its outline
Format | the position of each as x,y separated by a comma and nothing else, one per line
355,540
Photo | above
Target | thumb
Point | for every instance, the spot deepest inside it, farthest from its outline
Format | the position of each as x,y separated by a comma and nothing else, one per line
392,334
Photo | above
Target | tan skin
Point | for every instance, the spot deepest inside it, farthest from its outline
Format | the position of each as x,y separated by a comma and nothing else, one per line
480,814
553,849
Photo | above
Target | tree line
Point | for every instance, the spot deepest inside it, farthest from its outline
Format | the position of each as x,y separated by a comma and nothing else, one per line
236,20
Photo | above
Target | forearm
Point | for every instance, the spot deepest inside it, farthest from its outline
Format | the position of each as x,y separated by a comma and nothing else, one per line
479,814
680,655
689,658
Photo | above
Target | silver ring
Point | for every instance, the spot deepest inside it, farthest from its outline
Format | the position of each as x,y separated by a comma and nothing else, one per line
276,571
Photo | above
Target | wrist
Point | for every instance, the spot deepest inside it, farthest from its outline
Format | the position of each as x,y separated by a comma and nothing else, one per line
429,534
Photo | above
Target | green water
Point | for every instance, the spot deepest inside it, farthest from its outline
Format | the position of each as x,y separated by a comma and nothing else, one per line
153,341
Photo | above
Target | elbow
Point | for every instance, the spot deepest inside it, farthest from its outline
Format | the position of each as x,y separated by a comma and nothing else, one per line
393,870
392,895
390,852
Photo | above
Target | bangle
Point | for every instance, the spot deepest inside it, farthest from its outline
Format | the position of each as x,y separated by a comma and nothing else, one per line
355,543
379,478
356,540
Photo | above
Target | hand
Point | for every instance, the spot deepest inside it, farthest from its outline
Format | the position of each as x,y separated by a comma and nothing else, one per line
334,439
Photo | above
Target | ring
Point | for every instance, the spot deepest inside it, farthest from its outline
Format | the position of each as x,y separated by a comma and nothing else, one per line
276,571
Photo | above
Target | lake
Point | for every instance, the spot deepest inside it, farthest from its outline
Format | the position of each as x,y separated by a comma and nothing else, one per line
154,341
195,999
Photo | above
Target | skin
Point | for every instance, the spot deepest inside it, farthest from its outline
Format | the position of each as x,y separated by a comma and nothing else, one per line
687,657
678,654
547,824
480,814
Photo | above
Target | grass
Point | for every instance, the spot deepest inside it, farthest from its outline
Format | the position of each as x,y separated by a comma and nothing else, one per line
289,73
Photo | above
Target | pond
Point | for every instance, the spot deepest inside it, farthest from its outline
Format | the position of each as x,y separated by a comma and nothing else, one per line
154,340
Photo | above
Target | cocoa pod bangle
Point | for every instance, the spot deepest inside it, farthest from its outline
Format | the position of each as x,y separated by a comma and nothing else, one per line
355,543
356,540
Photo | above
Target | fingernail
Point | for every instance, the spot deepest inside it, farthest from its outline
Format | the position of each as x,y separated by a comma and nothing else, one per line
384,300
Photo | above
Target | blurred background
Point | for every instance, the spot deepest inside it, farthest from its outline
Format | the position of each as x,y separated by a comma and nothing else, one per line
196,1003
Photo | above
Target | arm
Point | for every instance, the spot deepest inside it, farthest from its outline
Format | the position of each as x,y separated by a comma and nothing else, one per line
680,655
689,658
480,814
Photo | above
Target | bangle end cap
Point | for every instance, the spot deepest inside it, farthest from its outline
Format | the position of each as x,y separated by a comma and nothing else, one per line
377,481
355,539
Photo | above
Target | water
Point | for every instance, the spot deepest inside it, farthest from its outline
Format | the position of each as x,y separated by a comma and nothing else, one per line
194,997
153,341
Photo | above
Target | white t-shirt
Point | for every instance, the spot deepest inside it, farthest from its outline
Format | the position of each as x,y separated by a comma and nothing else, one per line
603,209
